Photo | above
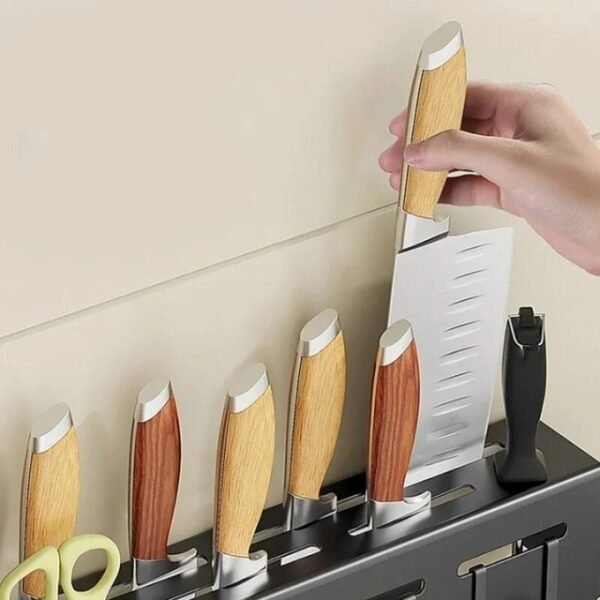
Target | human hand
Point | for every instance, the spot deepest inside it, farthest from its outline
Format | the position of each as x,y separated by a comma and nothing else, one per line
534,157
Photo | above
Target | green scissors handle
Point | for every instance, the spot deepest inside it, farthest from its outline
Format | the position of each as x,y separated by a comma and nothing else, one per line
72,549
46,560
58,566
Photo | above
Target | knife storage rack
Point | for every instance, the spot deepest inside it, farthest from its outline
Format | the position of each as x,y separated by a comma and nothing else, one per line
551,531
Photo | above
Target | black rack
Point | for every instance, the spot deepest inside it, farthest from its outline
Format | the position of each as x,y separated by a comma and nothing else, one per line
552,532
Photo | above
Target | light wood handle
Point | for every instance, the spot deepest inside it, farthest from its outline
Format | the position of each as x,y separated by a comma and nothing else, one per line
436,104
156,470
244,470
51,501
394,416
317,416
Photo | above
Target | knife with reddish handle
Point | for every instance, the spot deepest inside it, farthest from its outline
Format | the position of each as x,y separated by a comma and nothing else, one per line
154,483
394,417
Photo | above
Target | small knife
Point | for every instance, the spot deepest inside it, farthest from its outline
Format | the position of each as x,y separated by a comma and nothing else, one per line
524,386
393,426
315,412
154,483
50,493
244,465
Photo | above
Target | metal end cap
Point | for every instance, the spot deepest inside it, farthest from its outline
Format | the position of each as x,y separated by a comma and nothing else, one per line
50,427
441,46
247,387
152,398
394,342
319,332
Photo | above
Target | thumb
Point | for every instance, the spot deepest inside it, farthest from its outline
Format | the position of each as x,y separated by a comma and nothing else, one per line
497,159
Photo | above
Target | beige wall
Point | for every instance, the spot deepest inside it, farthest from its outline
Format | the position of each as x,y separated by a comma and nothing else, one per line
184,183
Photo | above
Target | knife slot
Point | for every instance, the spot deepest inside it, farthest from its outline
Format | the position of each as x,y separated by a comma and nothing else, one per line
409,591
351,502
451,495
299,554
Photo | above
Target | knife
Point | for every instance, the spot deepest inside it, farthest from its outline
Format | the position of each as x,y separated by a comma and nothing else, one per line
524,385
244,465
315,413
50,493
154,482
392,430
452,289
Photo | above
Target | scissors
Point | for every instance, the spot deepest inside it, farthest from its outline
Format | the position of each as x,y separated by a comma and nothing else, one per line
58,567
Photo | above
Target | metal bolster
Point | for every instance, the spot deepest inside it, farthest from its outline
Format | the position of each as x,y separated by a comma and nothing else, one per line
230,570
412,231
380,514
146,572
385,513
300,512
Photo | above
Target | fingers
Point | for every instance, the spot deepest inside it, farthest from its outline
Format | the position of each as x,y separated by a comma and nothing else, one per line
479,126
490,110
483,99
497,159
481,103
398,124
391,160
471,191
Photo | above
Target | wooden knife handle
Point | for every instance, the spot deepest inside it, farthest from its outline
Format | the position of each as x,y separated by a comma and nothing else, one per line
51,492
245,462
321,390
394,413
156,468
436,104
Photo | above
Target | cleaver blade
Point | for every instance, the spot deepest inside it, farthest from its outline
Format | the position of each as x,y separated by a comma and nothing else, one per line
451,289
453,292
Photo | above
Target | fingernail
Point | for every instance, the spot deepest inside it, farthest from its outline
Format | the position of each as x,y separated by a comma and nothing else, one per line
413,154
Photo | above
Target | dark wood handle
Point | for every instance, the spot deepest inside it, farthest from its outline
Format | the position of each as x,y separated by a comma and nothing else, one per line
156,468
394,416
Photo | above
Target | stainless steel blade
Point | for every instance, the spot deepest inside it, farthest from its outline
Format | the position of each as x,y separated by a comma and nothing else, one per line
453,291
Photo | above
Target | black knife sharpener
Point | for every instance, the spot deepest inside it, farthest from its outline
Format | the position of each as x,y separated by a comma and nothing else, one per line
524,386
545,538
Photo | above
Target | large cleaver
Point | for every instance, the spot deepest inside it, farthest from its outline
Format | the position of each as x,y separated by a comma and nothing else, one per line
452,289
